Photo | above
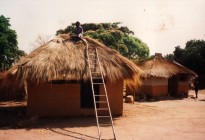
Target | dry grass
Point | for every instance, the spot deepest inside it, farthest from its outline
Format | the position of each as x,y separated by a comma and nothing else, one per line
62,58
159,67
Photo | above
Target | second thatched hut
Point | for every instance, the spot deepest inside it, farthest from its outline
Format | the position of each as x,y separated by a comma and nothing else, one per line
163,78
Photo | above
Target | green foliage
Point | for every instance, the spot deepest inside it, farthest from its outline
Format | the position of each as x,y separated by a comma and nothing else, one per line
115,37
8,44
136,48
193,56
169,57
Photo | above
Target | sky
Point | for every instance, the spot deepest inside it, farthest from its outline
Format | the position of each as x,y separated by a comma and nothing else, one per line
161,24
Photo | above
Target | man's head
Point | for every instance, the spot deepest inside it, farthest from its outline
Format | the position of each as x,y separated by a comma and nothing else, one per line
77,23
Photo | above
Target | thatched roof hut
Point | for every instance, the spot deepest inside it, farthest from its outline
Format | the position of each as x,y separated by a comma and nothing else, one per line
157,66
162,77
62,59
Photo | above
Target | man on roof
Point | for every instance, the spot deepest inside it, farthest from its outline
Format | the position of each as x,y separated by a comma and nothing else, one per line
79,33
79,30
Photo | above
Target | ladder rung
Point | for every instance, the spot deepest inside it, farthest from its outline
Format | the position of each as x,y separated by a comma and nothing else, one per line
102,108
103,116
97,83
105,124
101,101
95,72
97,77
100,95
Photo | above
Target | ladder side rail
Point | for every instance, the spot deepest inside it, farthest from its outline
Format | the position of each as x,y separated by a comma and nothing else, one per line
105,92
91,79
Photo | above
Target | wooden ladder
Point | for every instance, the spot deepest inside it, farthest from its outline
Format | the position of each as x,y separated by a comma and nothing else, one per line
101,102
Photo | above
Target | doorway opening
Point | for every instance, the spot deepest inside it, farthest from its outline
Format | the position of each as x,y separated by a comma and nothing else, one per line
86,95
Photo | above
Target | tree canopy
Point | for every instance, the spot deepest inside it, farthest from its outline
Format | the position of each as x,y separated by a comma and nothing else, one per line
114,36
192,56
9,51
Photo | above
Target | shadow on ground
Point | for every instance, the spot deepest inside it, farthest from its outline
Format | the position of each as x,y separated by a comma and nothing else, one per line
156,99
14,117
10,116
72,134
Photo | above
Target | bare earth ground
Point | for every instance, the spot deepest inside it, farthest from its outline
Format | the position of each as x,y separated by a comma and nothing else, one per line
165,119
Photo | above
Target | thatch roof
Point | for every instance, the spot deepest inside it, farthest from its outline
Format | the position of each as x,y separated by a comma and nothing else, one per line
62,58
159,67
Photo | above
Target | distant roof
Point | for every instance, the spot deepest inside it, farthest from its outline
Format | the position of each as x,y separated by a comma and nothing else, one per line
157,66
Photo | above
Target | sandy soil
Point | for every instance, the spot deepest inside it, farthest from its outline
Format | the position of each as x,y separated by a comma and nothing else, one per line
165,119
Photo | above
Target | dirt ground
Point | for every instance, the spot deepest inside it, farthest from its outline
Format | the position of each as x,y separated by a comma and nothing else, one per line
164,119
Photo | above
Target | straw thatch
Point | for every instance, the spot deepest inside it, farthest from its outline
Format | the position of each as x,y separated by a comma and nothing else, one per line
62,58
159,67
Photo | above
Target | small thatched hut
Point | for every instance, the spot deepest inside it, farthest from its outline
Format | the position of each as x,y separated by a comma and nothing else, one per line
162,78
57,77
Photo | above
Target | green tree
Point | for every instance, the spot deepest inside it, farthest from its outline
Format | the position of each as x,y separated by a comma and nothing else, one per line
9,51
114,36
178,54
192,56
169,57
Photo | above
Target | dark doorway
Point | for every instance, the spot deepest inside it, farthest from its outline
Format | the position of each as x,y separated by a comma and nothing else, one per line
86,95
173,85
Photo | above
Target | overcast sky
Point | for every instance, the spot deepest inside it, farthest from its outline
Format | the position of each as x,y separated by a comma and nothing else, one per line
162,24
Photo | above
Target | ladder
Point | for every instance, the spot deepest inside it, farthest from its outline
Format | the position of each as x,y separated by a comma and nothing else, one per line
101,102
